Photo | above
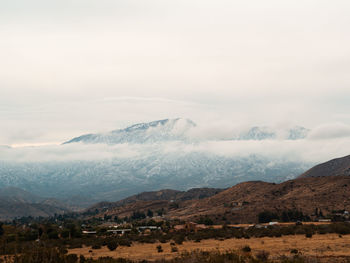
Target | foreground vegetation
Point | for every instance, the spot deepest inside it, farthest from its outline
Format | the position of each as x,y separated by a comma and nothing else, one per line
49,240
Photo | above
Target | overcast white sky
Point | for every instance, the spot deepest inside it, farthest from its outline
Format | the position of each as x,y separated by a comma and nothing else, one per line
74,66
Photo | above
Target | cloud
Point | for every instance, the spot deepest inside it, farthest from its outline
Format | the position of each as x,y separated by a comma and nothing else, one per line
330,131
68,153
72,67
303,151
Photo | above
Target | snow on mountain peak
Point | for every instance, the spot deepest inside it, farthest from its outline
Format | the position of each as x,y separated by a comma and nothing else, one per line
183,130
161,130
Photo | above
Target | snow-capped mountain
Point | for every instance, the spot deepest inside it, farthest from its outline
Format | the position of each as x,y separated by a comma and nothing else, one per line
179,130
156,131
266,133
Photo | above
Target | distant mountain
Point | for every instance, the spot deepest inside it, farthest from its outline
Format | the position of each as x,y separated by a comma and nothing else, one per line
83,183
335,167
297,133
257,133
14,194
266,133
156,131
179,130
15,203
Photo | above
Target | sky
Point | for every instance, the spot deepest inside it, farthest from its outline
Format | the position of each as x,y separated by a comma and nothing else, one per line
71,67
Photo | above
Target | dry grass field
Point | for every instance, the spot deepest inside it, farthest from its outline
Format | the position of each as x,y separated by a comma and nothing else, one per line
326,246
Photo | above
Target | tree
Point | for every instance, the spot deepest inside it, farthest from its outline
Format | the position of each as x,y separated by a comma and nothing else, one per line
1,229
150,213
267,216
160,212
138,215
206,221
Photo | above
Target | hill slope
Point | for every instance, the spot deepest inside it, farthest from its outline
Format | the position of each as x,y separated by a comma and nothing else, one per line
15,202
335,167
243,202
155,199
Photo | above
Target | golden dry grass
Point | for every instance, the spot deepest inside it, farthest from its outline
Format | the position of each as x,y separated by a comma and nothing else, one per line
330,245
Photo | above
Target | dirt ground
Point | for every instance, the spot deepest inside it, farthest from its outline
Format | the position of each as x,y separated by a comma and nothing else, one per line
325,246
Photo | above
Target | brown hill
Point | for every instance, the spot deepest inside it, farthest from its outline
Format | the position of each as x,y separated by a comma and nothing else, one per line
335,167
243,202
153,200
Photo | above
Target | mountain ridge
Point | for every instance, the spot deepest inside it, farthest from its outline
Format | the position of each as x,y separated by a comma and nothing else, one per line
335,167
163,130
178,129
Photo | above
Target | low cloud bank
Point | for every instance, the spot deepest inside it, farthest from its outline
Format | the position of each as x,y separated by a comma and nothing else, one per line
306,150
330,131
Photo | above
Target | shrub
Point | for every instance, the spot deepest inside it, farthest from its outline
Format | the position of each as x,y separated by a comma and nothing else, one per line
267,216
246,249
112,245
96,247
72,258
174,249
159,249
308,235
263,255
124,242
179,239
294,251
53,235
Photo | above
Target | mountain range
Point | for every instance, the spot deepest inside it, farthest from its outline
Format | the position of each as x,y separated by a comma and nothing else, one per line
313,190
159,155
180,130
